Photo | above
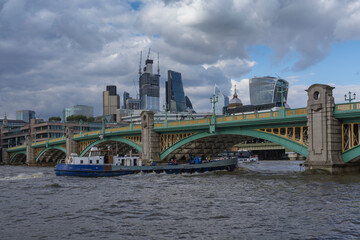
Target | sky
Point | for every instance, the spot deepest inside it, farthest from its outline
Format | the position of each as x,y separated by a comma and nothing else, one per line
56,54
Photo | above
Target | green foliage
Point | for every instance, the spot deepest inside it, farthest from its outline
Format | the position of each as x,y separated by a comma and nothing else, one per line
91,119
76,118
56,119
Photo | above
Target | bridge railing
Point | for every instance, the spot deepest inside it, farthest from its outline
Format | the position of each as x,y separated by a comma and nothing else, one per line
347,107
107,130
244,116
56,139
16,147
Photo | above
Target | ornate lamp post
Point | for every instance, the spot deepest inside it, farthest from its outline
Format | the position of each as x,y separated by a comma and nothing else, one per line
350,98
131,113
166,109
214,100
282,91
81,122
103,125
63,130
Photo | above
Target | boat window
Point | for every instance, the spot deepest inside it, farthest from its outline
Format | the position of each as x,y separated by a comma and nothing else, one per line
97,161
90,161
81,161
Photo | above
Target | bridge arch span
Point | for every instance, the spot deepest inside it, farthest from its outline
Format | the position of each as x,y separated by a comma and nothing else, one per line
296,147
51,154
19,157
128,144
352,155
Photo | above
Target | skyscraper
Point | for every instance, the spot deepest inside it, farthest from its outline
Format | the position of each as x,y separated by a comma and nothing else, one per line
25,115
111,101
223,101
111,89
174,92
189,106
126,96
149,88
84,110
267,89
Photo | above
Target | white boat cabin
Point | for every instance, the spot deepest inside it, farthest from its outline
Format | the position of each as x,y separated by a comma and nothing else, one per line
101,157
127,161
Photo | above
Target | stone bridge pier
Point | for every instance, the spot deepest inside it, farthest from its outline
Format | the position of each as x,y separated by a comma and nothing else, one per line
324,132
5,156
71,145
30,151
150,140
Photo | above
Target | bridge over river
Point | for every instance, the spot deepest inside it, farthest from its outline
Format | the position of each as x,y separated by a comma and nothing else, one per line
327,134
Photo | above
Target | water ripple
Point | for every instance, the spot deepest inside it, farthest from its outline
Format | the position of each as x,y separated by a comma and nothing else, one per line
270,200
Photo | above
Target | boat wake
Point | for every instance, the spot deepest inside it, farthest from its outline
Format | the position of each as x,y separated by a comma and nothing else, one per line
23,176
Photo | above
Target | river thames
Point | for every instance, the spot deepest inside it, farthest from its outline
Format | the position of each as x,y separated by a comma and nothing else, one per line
268,200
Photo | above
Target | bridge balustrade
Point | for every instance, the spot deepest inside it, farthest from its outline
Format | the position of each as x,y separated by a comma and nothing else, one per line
347,107
221,119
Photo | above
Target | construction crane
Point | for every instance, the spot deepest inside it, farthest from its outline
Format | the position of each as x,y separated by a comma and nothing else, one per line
137,94
158,70
148,56
140,63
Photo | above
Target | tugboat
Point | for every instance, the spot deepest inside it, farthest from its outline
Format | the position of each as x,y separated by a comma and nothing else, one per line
103,163
246,157
240,156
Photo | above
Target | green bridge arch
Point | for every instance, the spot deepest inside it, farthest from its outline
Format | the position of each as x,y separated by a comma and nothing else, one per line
296,147
16,154
116,139
351,154
47,149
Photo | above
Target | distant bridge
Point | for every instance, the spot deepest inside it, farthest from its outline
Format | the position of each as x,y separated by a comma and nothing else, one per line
327,134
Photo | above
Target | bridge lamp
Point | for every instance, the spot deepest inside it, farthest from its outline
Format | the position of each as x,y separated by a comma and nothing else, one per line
166,109
214,100
349,98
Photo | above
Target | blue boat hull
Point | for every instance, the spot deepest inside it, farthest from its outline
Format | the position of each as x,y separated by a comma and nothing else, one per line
87,170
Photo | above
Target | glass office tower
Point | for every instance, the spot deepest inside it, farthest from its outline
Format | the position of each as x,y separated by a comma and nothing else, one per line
223,101
189,106
25,115
84,110
126,96
267,89
149,87
175,97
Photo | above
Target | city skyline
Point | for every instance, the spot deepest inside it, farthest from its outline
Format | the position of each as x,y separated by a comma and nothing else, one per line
58,54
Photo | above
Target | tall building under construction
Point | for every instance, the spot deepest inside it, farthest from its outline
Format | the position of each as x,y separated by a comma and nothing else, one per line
149,87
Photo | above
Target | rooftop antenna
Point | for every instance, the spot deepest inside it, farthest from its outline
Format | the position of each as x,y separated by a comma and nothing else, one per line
158,65
140,63
148,56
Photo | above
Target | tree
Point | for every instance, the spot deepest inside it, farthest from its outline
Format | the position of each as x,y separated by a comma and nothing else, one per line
55,119
91,119
76,118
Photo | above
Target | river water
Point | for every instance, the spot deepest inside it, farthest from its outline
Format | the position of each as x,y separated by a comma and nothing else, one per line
269,200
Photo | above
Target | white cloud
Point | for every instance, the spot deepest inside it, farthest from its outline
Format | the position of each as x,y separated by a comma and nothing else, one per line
54,54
